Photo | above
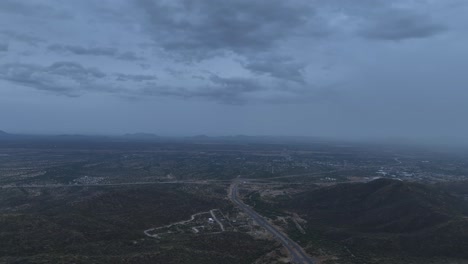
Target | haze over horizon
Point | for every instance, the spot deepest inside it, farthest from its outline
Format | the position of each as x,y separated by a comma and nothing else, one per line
370,69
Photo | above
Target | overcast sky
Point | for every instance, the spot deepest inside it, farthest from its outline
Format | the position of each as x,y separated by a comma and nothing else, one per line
335,68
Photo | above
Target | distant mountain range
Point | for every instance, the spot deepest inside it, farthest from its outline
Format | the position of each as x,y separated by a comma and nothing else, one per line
5,135
150,137
141,136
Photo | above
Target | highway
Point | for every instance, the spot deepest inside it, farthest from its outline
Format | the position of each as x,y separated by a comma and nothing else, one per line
297,253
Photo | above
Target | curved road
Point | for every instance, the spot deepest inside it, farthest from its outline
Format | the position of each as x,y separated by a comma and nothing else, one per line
297,253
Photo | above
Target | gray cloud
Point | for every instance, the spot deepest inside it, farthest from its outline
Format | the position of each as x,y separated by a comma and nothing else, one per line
94,51
223,90
175,73
21,37
135,77
201,28
129,56
250,66
278,67
32,9
386,20
3,47
73,79
262,37
198,30
231,90
67,78
402,25
242,90
79,50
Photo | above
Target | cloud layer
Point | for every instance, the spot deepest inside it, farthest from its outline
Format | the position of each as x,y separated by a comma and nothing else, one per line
236,51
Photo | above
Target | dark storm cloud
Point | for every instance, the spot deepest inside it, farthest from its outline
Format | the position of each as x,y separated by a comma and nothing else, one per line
199,28
402,25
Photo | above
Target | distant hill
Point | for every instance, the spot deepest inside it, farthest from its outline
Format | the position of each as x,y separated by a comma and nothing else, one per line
388,216
3,133
382,205
459,188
